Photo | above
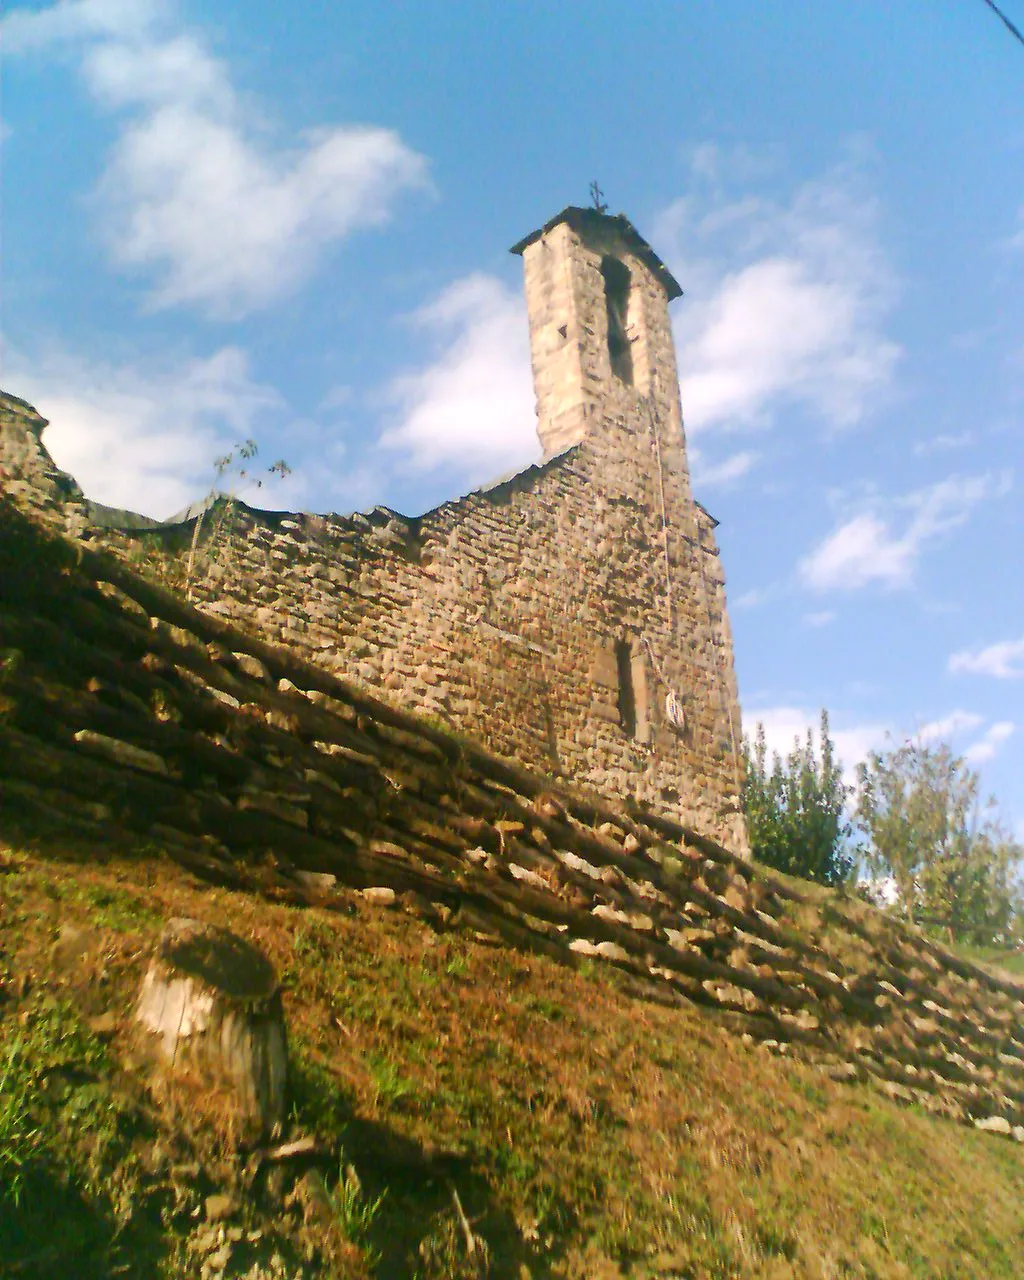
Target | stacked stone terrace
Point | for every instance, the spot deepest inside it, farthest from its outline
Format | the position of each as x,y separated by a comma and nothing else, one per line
127,713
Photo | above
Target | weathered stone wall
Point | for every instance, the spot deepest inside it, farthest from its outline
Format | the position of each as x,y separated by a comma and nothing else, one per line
27,472
499,615
513,615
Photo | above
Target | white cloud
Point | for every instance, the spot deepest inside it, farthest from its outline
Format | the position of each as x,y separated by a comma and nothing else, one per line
146,439
821,619
872,547
195,192
230,228
944,442
472,408
1016,241
785,302
174,72
947,727
720,474
1003,660
860,551
28,30
753,598
986,747
786,725
774,332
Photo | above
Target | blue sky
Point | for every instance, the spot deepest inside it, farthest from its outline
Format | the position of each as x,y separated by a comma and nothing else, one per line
292,223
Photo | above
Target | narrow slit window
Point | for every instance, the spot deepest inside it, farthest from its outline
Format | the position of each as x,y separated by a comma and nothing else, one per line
616,298
638,672
627,694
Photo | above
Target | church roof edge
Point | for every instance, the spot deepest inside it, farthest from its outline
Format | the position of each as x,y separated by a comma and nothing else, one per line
580,219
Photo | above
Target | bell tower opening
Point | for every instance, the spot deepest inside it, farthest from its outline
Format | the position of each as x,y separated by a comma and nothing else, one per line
617,282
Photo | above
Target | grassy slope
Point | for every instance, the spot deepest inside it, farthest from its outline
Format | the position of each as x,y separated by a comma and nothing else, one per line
586,1133
996,958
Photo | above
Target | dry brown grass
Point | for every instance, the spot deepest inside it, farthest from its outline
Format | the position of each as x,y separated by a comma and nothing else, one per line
586,1133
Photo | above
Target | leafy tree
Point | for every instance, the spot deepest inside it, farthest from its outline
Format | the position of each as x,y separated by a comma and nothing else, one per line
952,865
796,808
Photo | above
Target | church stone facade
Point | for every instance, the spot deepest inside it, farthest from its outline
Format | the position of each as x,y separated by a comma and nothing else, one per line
571,617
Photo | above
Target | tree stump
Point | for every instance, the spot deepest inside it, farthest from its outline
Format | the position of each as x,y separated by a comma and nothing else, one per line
212,1005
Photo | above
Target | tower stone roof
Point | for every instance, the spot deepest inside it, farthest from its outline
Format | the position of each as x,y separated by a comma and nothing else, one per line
581,219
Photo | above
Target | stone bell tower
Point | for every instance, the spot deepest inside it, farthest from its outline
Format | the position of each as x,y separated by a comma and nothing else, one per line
601,342
660,711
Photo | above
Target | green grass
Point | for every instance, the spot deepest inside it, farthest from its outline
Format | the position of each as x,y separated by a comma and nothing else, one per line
20,1138
1010,961
318,1103
66,1149
114,908
389,1085
354,1211
55,1076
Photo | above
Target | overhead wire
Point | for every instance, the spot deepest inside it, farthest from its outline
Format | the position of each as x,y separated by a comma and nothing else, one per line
1013,30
